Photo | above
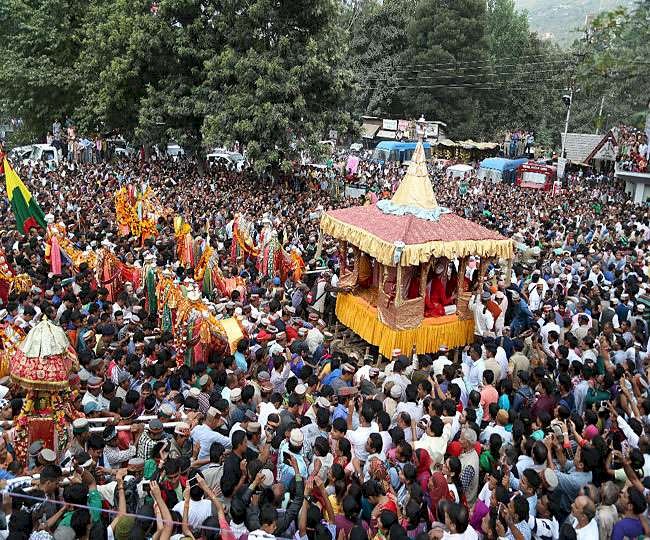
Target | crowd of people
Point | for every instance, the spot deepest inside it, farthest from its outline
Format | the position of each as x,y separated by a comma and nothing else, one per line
537,429
634,151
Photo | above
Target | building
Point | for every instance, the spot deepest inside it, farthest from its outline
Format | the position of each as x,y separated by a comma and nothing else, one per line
588,150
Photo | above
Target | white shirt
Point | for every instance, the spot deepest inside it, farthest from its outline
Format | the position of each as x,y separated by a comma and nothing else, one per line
588,532
198,512
358,438
205,436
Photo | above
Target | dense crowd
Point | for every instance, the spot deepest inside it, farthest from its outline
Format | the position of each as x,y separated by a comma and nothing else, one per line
535,430
633,150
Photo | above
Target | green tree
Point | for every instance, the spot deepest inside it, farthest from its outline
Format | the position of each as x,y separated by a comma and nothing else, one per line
614,65
41,43
377,39
278,85
442,36
524,78
143,71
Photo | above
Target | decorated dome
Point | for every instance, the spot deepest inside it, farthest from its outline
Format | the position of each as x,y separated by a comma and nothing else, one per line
44,359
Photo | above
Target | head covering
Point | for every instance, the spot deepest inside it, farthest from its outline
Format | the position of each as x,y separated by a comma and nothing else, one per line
296,437
267,482
454,448
551,479
123,527
590,432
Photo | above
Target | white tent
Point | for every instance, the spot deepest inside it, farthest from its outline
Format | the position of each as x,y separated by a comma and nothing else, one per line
459,171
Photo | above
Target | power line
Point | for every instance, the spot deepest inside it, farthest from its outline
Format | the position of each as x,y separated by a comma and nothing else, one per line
473,62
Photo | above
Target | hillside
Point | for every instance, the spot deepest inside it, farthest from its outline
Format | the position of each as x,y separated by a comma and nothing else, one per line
561,20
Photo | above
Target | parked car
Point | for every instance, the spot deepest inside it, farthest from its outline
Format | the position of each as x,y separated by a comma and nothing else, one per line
125,150
175,150
232,160
20,153
43,153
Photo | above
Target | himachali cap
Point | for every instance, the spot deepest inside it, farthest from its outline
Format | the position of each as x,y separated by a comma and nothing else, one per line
302,331
203,380
313,316
194,392
328,336
166,410
80,425
396,352
396,391
323,402
263,376
347,391
301,390
296,437
348,368
254,427
268,478
155,425
47,455
35,448
95,382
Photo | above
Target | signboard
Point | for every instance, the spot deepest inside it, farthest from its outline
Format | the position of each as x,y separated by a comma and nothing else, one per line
561,165
390,125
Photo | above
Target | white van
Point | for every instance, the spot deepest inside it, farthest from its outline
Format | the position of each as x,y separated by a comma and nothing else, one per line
232,160
44,153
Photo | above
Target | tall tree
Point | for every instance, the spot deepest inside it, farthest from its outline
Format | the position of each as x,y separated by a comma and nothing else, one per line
613,67
377,40
41,43
278,85
143,70
443,38
524,77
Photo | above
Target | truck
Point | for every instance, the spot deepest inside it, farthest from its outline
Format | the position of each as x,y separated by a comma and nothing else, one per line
536,175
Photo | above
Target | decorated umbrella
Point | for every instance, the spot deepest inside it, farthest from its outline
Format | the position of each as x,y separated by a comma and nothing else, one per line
41,365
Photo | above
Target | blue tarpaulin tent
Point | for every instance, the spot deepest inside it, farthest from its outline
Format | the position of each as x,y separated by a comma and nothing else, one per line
500,169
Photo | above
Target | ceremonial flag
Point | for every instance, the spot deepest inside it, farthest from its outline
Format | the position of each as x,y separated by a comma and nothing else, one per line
28,213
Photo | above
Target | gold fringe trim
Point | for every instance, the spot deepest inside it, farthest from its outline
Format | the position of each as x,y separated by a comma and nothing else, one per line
357,314
413,254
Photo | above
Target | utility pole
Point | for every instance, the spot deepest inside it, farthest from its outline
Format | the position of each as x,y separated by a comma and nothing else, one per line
568,101
600,114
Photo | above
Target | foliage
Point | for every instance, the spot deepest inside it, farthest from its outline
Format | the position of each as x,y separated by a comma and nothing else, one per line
614,65
41,44
277,85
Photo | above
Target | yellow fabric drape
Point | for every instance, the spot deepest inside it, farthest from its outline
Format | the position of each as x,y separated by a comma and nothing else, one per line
357,314
233,332
413,254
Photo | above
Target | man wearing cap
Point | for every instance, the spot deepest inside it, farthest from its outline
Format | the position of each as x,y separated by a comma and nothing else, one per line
80,434
347,374
204,434
288,450
180,444
315,335
323,350
483,319
113,456
93,392
148,440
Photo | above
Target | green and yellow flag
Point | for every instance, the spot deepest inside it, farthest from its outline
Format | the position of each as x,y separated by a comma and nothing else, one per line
28,213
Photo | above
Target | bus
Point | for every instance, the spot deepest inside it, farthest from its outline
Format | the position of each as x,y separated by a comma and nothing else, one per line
397,152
